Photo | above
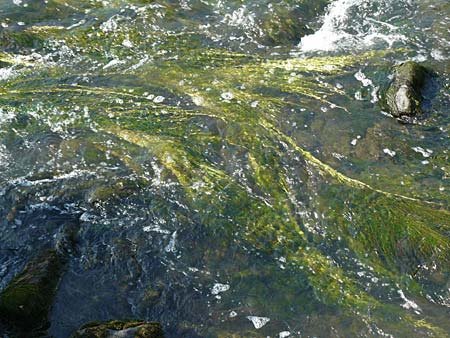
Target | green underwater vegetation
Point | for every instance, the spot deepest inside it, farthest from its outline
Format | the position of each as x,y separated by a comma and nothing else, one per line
198,153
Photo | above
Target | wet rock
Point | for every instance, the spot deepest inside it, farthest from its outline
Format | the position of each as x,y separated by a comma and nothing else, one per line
118,328
282,29
410,89
286,23
66,238
26,301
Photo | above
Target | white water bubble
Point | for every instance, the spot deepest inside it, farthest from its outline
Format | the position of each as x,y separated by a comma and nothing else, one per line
219,288
358,96
227,96
159,99
258,322
127,43
198,100
110,25
409,304
425,152
113,63
389,152
241,17
438,55
155,228
361,77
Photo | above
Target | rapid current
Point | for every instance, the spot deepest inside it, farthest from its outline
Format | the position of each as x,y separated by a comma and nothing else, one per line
231,164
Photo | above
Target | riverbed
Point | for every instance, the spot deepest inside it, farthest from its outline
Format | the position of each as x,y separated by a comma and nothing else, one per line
232,165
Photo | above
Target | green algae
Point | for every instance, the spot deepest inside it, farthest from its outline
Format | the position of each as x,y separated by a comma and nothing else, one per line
195,133
274,219
26,301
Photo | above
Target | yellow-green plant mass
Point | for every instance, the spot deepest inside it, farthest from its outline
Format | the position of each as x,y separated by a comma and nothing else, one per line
229,162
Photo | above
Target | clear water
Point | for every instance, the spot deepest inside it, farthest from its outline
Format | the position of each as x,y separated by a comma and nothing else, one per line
232,167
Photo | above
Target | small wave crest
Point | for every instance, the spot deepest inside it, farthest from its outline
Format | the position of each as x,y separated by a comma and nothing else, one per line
355,24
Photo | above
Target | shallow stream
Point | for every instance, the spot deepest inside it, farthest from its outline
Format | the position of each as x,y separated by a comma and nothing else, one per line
231,163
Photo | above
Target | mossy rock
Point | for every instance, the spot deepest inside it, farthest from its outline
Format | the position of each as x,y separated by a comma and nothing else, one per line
409,89
288,22
283,29
119,328
26,301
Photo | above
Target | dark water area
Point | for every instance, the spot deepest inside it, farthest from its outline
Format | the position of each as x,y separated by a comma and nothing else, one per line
231,164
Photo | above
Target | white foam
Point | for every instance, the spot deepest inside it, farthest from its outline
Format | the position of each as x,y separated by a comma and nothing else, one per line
219,288
241,18
112,63
159,99
438,55
361,77
425,152
409,304
127,43
6,116
171,247
4,156
329,34
350,24
155,228
258,322
6,73
389,152
227,96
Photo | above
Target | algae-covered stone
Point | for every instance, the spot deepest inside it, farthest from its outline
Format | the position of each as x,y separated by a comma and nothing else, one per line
408,90
26,301
118,328
287,22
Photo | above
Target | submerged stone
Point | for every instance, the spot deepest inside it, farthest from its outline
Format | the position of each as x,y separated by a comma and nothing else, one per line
66,238
26,301
286,23
118,328
409,90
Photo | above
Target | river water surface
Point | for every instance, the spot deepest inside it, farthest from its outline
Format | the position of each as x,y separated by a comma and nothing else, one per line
231,164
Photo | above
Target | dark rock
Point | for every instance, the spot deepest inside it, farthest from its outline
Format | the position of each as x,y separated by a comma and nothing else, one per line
118,328
408,92
288,21
66,238
26,301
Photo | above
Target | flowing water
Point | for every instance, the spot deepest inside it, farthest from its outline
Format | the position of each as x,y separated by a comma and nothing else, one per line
230,162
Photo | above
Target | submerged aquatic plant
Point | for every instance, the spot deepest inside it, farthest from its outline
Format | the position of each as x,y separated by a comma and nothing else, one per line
192,159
